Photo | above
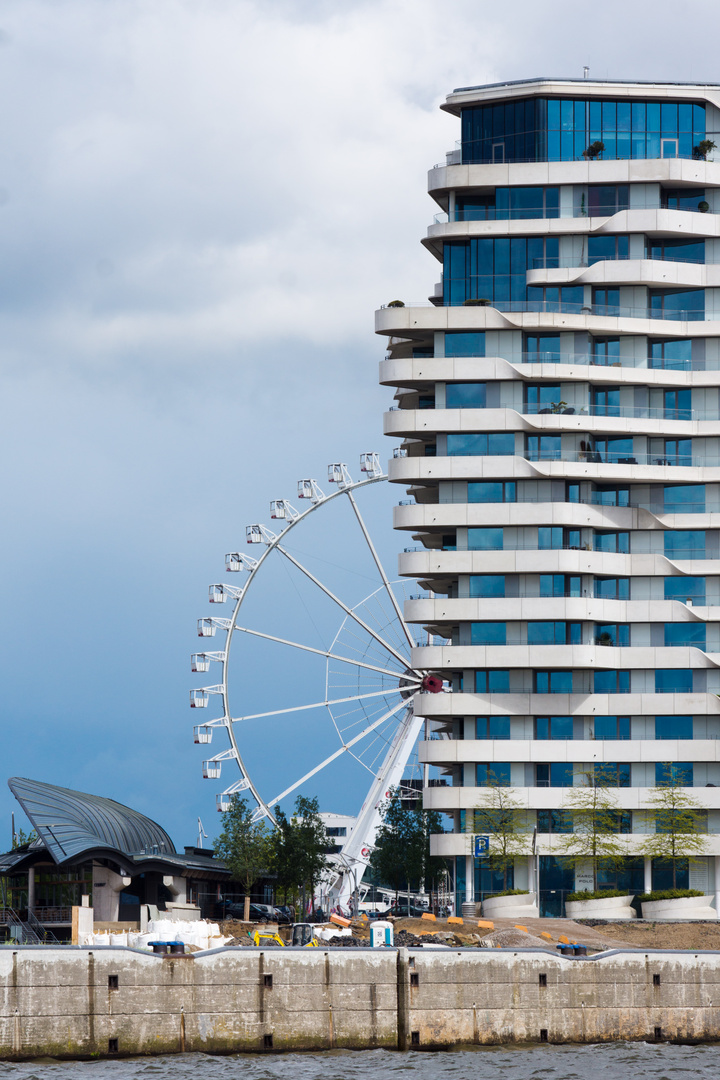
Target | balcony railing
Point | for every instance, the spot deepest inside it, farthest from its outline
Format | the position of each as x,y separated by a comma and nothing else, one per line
558,307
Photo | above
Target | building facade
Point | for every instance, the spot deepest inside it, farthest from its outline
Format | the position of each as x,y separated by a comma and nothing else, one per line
557,425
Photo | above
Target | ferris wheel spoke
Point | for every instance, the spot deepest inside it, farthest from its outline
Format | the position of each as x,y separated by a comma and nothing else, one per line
317,705
333,757
409,677
348,611
381,570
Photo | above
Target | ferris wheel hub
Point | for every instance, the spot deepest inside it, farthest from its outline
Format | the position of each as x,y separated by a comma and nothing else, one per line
432,684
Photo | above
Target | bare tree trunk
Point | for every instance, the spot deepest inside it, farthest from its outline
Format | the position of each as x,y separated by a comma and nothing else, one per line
246,912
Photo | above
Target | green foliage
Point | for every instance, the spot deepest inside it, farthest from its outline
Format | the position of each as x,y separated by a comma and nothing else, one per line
299,848
401,857
507,892
595,839
20,839
668,894
677,816
396,303
599,894
500,814
703,148
243,845
593,150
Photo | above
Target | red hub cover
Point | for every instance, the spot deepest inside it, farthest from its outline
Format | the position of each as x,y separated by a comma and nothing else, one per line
432,684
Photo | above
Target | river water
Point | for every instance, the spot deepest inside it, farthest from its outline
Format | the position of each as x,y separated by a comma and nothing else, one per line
614,1061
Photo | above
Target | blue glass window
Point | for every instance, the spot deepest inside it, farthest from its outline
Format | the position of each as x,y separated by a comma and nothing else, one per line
612,727
683,198
685,588
488,539
616,449
689,634
492,682
677,404
543,447
553,682
677,452
606,401
554,727
492,491
554,633
685,543
607,247
606,301
673,727
560,129
550,538
560,585
617,634
464,343
487,585
677,250
605,351
554,821
556,774
612,774
669,773
541,397
612,682
604,200
494,269
612,541
612,588
493,774
673,681
465,395
674,355
488,633
492,727
496,444
611,495
677,304
542,347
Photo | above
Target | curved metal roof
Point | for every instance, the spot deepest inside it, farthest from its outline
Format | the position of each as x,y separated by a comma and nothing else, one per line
71,823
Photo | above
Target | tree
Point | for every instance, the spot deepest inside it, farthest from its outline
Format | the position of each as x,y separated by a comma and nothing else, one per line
677,816
595,838
401,856
300,845
500,814
244,846
20,839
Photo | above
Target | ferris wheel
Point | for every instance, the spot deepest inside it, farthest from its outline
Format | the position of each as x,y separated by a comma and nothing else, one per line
304,695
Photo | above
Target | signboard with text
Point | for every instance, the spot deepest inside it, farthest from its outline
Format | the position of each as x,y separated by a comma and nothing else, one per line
482,847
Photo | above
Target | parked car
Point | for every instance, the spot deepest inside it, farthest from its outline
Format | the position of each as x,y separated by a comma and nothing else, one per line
401,911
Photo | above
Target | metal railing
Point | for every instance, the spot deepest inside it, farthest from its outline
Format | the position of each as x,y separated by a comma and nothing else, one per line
559,307
534,213
556,263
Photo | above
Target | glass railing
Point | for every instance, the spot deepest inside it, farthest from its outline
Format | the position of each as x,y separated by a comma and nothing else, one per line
556,263
619,411
659,363
530,213
558,307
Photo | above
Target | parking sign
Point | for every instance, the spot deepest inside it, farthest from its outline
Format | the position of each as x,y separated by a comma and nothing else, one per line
482,846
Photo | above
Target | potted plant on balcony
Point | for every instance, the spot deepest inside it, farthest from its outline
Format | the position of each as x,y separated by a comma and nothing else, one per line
595,844
558,406
500,815
703,148
677,817
396,303
593,150
473,301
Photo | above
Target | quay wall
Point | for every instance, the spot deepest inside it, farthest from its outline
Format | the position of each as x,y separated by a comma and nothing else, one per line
102,1002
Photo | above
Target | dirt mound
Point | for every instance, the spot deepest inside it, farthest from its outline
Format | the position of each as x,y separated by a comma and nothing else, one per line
513,938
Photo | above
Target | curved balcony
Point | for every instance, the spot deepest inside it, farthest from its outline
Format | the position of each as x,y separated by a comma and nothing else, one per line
586,609
449,752
616,272
579,658
654,468
437,565
667,171
446,707
455,844
586,419
417,320
575,367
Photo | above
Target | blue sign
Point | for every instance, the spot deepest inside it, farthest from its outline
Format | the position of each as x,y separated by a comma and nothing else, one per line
482,847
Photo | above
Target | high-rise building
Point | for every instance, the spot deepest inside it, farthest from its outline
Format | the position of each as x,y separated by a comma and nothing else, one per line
557,424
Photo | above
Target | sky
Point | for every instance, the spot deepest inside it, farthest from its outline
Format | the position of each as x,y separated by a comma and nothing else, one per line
201,206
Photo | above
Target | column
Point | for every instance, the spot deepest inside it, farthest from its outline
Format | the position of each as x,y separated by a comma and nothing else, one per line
647,867
31,889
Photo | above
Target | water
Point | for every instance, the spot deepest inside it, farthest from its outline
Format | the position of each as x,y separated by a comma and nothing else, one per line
614,1061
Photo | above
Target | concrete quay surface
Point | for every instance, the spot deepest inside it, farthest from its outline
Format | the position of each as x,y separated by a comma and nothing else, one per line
72,1002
